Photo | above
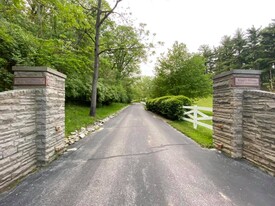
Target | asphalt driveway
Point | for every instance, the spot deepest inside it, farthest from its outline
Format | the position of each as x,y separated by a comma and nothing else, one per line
137,159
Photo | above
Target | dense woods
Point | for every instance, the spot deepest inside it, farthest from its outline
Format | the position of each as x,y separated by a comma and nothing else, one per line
60,34
250,49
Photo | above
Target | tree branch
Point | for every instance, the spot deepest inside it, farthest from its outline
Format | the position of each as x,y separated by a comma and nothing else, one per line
120,48
92,8
89,35
107,13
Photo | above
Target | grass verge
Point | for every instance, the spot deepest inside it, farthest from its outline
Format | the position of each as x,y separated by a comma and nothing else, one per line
202,135
204,102
77,116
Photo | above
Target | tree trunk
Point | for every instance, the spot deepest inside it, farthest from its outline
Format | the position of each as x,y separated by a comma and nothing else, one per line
96,62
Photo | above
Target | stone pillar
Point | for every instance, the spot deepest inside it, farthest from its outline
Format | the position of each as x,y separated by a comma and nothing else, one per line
228,108
49,87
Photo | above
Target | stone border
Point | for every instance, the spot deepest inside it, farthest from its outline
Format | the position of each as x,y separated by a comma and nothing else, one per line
38,69
84,132
261,93
238,71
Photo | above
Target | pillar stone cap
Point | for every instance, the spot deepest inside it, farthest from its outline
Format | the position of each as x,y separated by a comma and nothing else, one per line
38,69
238,71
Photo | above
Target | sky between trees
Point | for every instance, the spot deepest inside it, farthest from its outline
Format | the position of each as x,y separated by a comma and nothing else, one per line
197,22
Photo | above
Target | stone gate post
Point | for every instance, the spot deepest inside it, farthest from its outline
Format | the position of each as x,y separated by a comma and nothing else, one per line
228,108
49,87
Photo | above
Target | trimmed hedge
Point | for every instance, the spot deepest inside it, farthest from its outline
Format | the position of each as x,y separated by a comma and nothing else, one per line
169,106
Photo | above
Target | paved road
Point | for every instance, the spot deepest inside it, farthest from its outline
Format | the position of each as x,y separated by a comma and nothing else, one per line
137,159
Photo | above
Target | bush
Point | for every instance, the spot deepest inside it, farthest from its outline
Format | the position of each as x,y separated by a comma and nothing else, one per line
6,80
169,106
107,94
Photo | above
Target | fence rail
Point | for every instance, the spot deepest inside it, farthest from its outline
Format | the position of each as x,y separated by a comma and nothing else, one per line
195,115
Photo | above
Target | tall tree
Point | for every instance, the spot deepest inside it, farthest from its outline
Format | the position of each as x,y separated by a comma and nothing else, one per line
225,55
209,56
126,50
101,16
181,73
239,43
268,55
252,48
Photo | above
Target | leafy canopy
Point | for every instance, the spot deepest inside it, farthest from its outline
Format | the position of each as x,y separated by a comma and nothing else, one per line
181,73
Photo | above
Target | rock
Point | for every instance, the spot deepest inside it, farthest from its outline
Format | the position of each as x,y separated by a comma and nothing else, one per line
77,135
59,148
66,141
96,127
105,120
90,129
72,149
72,137
82,135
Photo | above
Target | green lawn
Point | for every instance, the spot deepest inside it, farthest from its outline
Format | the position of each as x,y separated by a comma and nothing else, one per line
204,102
202,135
77,116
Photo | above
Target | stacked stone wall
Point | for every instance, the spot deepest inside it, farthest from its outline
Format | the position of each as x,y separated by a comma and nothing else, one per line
17,134
51,119
32,122
259,129
244,118
228,109
222,117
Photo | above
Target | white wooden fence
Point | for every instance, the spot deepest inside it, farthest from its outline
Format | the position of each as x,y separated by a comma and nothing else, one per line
195,115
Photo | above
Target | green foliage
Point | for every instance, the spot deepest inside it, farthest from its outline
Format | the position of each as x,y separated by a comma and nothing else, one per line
6,80
127,51
107,94
16,45
142,88
36,34
60,34
253,49
181,73
169,106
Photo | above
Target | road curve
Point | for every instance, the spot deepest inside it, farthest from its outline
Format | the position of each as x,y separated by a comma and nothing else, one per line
137,159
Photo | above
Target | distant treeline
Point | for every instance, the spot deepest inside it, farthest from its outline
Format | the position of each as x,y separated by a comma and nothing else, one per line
250,49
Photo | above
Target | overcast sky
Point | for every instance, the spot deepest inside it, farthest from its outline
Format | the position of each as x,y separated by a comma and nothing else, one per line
197,22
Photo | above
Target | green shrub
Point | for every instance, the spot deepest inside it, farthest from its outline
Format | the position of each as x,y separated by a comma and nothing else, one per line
107,94
186,101
168,106
6,80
